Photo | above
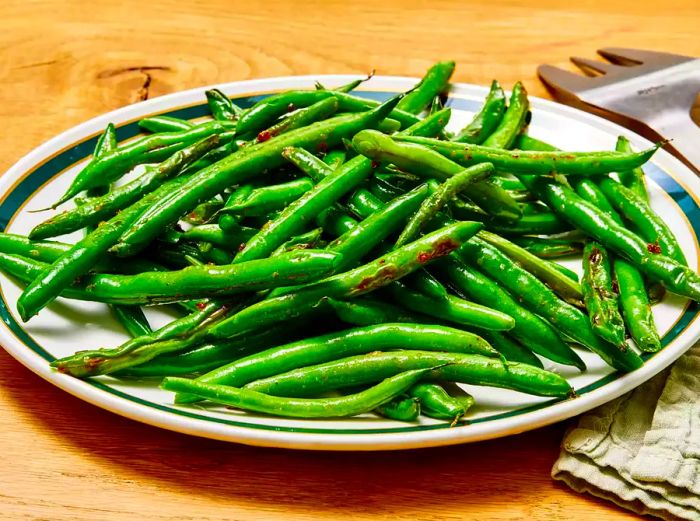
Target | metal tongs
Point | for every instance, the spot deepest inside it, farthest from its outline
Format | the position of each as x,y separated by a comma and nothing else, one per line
654,90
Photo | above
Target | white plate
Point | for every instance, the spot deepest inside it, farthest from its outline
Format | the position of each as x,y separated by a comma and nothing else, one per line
37,179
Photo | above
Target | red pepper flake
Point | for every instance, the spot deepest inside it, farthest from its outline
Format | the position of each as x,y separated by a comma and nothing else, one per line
241,246
291,107
375,164
201,305
263,136
595,256
322,147
615,287
654,247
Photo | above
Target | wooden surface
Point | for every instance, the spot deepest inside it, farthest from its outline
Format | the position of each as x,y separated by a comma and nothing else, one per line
65,61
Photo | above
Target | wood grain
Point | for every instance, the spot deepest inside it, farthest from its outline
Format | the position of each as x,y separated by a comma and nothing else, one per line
62,62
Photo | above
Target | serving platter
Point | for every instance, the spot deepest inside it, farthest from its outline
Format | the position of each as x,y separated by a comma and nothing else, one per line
66,326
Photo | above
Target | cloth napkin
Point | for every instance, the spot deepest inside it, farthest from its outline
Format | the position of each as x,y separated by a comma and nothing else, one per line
642,451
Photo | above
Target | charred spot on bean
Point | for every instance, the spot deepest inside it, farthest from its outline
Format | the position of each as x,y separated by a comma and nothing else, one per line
653,247
440,249
615,287
91,363
385,274
595,256
263,136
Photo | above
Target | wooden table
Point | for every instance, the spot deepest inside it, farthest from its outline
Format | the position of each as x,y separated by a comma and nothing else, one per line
65,61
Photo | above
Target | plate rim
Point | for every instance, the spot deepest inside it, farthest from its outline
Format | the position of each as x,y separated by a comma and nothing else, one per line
338,441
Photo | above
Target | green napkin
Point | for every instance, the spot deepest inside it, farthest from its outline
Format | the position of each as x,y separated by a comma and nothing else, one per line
642,451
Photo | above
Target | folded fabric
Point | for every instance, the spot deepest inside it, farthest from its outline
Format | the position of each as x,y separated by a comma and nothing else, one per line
642,450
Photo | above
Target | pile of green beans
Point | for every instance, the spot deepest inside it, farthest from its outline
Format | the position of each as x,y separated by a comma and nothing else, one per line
320,242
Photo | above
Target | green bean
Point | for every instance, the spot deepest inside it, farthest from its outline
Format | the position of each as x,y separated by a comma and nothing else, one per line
640,323
49,251
266,199
595,223
98,209
436,403
157,147
210,281
335,221
430,126
451,309
106,142
83,256
513,120
359,241
635,304
537,223
425,283
204,212
636,309
350,86
510,183
335,158
538,163
238,167
548,248
301,118
221,106
601,300
562,285
436,201
164,124
435,81
327,191
368,368
231,238
143,348
366,311
571,274
44,251
529,329
401,408
206,357
133,320
363,279
487,119
308,163
305,241
634,178
638,213
266,111
422,161
510,349
333,346
317,169
216,155
100,287
538,298
294,217
350,405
